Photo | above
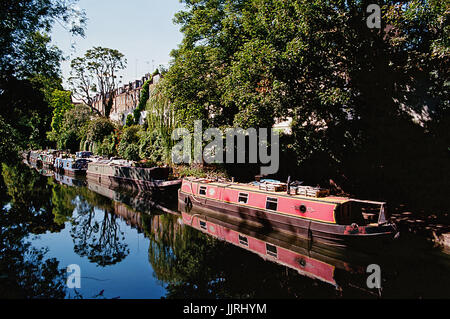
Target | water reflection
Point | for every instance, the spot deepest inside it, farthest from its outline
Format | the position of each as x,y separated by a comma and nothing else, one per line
131,246
25,272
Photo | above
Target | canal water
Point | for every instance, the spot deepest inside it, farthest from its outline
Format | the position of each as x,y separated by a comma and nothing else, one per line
125,247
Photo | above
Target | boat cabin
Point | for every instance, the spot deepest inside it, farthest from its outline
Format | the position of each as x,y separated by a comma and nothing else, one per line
305,202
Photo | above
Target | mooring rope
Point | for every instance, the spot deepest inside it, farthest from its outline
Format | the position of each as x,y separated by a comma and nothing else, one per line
192,193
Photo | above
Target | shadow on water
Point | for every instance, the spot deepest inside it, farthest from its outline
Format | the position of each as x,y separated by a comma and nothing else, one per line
190,254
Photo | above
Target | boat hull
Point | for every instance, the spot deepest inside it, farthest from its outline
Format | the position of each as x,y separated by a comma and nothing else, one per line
71,172
156,186
316,232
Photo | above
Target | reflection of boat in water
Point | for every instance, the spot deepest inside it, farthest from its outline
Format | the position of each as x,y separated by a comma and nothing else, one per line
289,252
132,197
131,203
306,212
121,174
46,172
69,180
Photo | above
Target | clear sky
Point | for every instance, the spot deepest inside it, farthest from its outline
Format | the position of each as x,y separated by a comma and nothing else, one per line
143,30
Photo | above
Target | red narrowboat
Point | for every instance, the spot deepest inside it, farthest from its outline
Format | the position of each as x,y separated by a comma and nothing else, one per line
306,212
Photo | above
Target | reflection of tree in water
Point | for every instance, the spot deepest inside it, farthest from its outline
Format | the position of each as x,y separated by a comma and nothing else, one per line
62,201
95,229
96,232
191,264
30,196
26,209
26,273
167,237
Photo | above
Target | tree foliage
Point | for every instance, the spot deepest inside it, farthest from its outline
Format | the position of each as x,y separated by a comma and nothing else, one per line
96,72
60,102
30,66
74,128
99,128
363,101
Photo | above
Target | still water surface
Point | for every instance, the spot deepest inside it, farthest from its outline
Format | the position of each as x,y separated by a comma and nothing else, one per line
127,249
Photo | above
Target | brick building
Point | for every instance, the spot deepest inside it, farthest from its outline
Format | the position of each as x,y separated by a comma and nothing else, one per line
126,99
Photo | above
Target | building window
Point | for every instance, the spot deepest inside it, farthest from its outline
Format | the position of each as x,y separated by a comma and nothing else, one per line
202,190
243,240
271,203
271,250
243,198
203,224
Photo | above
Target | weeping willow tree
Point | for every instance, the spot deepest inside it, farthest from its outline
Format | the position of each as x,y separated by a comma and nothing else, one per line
162,117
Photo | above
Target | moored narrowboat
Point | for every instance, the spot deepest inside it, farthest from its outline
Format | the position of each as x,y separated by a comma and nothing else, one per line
83,154
35,158
48,158
70,166
121,173
307,212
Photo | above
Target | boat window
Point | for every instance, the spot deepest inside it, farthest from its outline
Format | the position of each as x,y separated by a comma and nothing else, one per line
271,203
243,198
203,224
202,190
271,250
243,240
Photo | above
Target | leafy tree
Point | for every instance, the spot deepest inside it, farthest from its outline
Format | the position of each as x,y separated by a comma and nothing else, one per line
96,72
151,147
161,118
22,26
26,110
29,66
368,106
60,102
73,128
128,146
145,94
99,128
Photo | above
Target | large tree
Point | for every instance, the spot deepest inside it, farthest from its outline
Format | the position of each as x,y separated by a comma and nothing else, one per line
96,73
30,67
369,106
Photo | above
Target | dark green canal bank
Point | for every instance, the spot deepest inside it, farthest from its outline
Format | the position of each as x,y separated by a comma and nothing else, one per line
127,248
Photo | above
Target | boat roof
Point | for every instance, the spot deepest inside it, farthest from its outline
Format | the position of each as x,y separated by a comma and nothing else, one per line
254,188
107,162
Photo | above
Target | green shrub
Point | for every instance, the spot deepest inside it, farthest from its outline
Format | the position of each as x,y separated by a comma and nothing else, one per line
108,146
129,137
99,128
151,147
130,120
145,93
131,152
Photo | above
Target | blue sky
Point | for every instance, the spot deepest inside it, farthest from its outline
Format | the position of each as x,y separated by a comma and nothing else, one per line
143,30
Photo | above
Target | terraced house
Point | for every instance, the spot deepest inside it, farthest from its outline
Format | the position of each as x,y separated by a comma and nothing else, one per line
126,99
